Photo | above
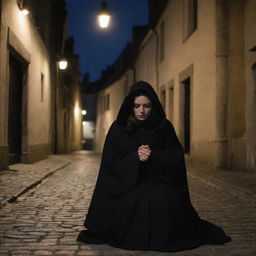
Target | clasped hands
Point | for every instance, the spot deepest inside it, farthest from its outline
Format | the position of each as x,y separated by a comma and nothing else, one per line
144,152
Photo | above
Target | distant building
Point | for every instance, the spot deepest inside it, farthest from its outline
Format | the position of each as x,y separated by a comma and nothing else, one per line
69,118
89,103
31,84
200,57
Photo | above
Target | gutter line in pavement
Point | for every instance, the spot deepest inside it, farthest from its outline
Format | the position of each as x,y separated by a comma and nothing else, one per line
14,198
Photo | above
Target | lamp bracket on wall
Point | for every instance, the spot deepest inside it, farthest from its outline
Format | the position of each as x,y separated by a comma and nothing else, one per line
23,7
20,4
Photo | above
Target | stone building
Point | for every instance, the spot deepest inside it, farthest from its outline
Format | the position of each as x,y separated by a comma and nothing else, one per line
200,57
30,82
69,118
89,103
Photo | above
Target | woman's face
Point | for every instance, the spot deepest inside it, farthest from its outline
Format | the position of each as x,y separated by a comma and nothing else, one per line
142,107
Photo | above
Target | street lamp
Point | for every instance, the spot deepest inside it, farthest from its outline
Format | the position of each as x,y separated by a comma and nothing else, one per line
22,7
63,63
104,16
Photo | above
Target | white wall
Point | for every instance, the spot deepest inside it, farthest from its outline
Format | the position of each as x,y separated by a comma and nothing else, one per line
38,114
117,92
250,76
199,51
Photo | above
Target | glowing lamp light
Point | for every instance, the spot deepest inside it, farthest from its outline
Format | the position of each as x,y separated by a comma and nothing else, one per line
63,64
76,111
84,112
83,123
103,20
104,16
25,11
22,7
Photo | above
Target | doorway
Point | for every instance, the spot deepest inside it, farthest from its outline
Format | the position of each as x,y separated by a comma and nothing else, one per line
163,98
16,78
186,115
171,104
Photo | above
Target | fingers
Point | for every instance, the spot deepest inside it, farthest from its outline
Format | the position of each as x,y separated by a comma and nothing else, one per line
144,146
144,152
143,158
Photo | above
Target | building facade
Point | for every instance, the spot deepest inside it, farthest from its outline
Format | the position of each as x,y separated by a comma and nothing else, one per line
89,103
68,112
30,46
200,57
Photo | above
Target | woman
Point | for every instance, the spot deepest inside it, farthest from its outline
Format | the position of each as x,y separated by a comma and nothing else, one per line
141,199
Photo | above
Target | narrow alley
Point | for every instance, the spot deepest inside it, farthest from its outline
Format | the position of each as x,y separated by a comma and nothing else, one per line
177,76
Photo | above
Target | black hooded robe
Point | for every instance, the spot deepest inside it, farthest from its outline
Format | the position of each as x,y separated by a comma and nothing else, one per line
145,205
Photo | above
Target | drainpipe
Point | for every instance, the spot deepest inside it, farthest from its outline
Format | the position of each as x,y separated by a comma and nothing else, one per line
56,109
134,73
0,15
156,58
221,83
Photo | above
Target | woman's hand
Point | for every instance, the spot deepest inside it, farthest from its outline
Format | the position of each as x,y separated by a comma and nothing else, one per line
144,152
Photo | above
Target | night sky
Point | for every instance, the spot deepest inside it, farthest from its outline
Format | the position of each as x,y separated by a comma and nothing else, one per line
99,48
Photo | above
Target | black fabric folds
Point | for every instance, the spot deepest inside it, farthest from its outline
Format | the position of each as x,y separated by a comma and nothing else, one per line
145,205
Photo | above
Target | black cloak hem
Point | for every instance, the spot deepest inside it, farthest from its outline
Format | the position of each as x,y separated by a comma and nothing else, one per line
85,236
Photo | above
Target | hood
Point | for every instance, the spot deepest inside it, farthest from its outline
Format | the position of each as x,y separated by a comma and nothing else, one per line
127,106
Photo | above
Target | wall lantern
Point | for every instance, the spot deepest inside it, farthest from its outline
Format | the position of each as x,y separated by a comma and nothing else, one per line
63,63
104,16
84,112
22,7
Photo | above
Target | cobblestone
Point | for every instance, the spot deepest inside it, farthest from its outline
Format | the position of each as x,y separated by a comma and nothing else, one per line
46,220
22,177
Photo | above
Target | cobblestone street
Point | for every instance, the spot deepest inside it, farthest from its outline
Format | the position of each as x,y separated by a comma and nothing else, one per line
46,219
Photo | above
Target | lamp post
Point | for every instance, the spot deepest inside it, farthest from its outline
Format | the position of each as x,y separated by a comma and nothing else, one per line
61,64
104,16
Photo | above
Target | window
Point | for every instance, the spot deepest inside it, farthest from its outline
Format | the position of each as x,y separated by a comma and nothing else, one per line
162,30
42,87
101,103
254,77
104,103
171,104
163,96
189,17
126,85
